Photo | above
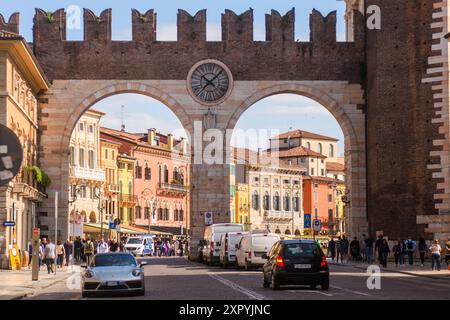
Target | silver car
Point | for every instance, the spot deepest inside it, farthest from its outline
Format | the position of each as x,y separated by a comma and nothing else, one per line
113,273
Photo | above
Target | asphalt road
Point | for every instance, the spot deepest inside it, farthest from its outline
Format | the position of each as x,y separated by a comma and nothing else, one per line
177,279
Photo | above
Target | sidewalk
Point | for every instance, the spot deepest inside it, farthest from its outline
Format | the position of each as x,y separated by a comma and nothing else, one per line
17,284
416,270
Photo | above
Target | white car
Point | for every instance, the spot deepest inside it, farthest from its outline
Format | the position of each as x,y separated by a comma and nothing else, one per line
213,233
140,245
227,253
252,247
113,272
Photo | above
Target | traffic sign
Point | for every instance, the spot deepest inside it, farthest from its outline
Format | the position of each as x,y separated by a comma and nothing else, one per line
307,220
317,225
9,223
11,155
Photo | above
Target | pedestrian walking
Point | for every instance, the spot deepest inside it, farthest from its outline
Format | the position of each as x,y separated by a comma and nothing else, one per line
410,248
397,250
332,249
447,253
354,249
344,249
362,248
30,253
384,253
89,251
338,249
378,245
77,249
435,249
50,256
368,242
423,249
59,254
68,247
102,247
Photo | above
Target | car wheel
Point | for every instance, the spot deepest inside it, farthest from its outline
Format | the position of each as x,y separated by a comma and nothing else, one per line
275,283
325,285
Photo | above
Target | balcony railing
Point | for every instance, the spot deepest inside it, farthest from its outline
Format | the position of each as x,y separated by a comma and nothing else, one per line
173,187
87,173
129,198
278,215
114,188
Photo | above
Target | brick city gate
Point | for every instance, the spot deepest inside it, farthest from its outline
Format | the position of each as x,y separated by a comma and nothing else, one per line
388,123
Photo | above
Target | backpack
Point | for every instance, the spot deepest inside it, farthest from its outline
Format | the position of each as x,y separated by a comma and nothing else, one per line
89,248
409,245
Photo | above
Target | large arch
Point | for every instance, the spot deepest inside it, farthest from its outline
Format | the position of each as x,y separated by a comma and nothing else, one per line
337,99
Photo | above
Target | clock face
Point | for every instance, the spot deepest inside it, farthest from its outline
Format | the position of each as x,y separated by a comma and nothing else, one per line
210,82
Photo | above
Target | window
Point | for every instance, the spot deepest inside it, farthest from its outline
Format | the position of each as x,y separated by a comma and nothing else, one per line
276,202
148,172
81,127
166,214
130,167
175,215
296,202
181,215
255,200
312,171
330,216
316,185
266,180
322,171
308,145
166,174
91,159
146,213
81,158
312,160
106,153
91,129
130,187
319,148
275,181
113,154
72,156
302,160
295,182
287,202
330,198
159,174
331,151
160,213
322,161
256,179
286,181
266,201
138,171
316,213
138,212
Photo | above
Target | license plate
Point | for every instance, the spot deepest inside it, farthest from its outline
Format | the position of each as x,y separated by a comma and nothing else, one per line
112,284
302,266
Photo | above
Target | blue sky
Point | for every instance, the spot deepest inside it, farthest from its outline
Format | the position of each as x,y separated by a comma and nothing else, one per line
142,112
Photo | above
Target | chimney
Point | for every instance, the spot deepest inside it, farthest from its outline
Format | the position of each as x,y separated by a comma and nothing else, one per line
170,141
183,144
151,136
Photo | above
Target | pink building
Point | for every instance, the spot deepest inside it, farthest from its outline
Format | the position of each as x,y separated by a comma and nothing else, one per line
161,179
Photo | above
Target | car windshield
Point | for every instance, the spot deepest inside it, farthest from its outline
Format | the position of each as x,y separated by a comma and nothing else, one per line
134,241
296,250
113,260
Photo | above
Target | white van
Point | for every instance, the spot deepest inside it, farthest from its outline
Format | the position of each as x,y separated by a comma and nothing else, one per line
227,251
252,247
213,233
140,245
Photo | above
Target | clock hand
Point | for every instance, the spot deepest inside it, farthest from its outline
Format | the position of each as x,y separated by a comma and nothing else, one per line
209,82
217,76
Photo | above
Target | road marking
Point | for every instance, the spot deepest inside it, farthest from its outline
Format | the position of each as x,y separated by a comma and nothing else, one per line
309,291
251,294
351,291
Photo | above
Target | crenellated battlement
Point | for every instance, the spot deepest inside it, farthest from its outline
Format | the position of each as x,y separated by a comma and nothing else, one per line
289,59
12,25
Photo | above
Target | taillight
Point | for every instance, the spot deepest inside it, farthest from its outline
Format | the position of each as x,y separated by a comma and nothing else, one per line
280,261
211,247
249,254
323,263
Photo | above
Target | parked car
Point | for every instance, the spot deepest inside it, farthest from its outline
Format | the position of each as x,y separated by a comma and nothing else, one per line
227,252
113,272
213,233
296,262
252,247
140,245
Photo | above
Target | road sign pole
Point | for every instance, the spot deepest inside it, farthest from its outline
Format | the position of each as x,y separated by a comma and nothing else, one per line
35,255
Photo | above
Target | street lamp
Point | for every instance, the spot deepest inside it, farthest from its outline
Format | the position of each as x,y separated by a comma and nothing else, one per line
98,195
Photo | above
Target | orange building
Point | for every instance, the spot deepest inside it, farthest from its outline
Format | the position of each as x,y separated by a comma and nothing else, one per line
319,200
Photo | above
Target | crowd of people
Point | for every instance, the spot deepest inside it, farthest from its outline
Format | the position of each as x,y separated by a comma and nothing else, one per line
170,247
403,251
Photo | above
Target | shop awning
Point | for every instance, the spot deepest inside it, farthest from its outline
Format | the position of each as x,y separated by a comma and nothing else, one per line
96,228
161,230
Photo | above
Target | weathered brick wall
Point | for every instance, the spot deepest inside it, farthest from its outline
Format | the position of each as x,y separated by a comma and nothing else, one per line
144,58
400,131
12,25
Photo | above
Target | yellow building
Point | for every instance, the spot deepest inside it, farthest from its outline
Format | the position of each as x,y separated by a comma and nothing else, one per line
340,207
243,205
127,199
21,81
109,151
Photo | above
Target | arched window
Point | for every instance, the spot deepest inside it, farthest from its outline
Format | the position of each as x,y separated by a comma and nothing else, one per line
276,201
138,171
180,215
255,200
130,187
278,231
287,202
148,172
319,148
166,174
160,213
81,158
331,151
175,215
297,232
308,145
266,202
91,159
287,231
72,156
159,174
296,202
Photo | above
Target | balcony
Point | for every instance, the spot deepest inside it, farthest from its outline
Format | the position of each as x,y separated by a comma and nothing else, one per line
274,215
127,199
112,188
87,174
173,189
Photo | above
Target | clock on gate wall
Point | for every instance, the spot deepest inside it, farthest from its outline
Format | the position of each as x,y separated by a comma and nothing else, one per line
209,82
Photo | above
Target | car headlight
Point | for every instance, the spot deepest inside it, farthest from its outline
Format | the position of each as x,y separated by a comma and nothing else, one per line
136,272
89,274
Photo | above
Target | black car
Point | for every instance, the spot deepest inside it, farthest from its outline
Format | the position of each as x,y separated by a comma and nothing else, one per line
296,262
